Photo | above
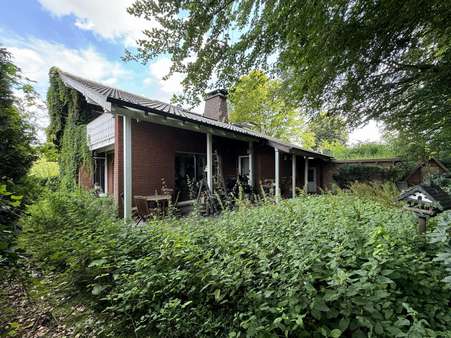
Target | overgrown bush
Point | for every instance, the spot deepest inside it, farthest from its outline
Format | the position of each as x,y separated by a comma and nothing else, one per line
350,173
323,266
385,193
441,237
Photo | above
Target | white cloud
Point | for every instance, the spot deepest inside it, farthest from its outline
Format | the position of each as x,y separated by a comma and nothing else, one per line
158,70
371,132
173,85
35,57
106,18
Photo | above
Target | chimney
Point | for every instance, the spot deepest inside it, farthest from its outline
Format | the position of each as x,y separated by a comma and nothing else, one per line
216,105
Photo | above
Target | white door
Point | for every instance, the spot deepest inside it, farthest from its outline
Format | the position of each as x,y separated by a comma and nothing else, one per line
311,186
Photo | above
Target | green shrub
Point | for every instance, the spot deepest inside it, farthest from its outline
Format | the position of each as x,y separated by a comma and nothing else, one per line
309,267
60,224
385,193
441,237
350,173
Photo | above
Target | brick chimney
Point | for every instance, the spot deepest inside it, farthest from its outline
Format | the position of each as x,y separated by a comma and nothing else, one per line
216,105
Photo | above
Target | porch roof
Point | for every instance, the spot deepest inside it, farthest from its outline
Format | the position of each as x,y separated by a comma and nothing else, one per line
106,97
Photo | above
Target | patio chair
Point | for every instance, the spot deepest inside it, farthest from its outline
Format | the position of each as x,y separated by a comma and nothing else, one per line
143,212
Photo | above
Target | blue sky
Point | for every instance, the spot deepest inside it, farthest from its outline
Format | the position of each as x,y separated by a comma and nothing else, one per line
88,38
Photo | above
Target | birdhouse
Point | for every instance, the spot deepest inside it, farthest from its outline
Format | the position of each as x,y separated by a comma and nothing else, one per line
425,201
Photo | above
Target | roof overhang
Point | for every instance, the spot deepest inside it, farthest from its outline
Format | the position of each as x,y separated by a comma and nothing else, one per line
290,149
91,96
174,121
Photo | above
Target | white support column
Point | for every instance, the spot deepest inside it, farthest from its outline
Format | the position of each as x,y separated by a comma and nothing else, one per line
293,175
251,163
210,161
127,167
277,173
306,174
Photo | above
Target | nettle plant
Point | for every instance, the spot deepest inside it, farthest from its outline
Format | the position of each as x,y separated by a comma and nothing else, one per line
317,266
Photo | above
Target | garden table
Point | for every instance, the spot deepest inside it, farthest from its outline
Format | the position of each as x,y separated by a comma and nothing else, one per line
162,201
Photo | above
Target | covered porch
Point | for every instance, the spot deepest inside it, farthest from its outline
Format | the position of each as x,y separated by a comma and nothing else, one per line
136,155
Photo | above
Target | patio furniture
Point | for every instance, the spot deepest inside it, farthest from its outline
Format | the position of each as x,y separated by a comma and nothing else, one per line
143,212
159,202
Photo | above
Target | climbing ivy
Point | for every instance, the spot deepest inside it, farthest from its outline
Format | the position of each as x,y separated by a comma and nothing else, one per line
69,114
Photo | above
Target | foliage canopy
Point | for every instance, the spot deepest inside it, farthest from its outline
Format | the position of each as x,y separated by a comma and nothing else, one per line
387,60
16,134
258,103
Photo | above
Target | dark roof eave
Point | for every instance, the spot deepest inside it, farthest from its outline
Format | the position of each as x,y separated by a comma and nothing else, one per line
172,116
289,148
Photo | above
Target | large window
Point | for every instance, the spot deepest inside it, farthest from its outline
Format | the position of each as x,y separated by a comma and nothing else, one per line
189,167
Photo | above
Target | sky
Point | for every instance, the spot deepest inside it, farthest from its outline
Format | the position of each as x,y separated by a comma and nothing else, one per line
88,38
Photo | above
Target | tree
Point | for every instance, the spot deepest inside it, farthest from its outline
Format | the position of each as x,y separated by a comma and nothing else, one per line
364,150
328,129
258,103
16,154
387,60
16,134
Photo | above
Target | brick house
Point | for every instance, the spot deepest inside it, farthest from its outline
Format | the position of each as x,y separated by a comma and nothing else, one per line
136,142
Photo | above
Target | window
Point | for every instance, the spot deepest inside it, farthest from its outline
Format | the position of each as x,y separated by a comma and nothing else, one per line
99,173
243,166
188,167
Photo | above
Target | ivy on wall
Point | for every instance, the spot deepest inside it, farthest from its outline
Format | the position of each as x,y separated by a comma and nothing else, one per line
69,114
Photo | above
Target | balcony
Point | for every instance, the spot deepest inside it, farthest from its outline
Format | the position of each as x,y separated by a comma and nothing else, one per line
101,132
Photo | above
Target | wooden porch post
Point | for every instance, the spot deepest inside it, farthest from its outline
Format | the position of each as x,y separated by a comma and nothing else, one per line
293,175
277,173
127,167
306,174
210,161
251,164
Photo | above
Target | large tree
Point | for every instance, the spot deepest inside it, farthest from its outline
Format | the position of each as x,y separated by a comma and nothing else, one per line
258,103
328,129
16,133
383,59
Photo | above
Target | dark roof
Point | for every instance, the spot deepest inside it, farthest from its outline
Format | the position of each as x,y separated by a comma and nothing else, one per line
433,192
371,160
423,163
105,96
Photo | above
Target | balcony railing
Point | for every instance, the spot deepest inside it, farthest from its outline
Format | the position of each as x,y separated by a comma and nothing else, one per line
101,131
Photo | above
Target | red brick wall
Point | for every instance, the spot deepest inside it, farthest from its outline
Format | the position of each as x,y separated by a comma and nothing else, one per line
154,149
229,150
264,163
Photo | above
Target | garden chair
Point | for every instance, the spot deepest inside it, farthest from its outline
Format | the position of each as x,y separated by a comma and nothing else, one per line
143,212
